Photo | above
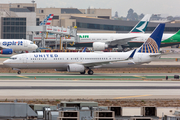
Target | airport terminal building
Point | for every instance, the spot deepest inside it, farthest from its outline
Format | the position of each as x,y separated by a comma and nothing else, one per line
16,17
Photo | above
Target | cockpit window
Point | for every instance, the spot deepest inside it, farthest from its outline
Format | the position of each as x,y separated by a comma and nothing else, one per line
13,58
31,43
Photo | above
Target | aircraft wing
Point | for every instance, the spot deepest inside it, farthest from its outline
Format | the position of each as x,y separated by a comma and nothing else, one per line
122,41
91,64
2,47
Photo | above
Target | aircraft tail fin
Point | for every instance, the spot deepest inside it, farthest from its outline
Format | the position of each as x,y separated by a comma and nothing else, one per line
152,44
141,26
47,20
84,50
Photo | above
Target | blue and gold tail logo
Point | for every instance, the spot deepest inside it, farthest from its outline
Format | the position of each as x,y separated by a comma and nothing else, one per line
150,46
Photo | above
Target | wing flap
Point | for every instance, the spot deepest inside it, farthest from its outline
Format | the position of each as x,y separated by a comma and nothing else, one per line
92,64
122,41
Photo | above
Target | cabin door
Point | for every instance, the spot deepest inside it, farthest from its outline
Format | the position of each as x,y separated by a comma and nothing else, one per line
25,59
25,44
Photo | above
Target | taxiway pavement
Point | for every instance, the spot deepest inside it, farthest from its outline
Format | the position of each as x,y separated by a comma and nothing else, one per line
88,89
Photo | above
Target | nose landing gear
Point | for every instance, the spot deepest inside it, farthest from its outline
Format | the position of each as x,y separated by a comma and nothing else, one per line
19,72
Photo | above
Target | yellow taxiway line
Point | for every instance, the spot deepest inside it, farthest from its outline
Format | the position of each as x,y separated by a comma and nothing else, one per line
131,96
22,76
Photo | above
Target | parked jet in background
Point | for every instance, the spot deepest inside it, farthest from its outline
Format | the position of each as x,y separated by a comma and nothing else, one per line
82,61
100,41
47,20
7,46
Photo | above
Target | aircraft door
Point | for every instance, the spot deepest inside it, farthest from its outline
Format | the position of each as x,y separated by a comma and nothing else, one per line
24,59
25,43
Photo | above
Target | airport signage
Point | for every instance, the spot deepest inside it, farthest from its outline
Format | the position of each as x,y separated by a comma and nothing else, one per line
58,30
12,43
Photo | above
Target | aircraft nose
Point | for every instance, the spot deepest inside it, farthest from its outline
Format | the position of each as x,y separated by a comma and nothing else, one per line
6,62
35,46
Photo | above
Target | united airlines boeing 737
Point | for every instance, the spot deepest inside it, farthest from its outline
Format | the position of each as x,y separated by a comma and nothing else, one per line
7,46
82,61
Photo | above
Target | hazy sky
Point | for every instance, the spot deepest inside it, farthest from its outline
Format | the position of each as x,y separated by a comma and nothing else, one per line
169,7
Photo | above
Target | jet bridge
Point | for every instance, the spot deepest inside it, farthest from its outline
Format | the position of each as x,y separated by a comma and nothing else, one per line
59,32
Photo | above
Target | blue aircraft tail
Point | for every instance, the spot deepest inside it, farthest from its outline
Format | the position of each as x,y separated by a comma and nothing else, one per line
84,50
152,45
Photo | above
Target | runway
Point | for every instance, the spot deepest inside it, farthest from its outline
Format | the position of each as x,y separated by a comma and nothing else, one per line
87,89
97,86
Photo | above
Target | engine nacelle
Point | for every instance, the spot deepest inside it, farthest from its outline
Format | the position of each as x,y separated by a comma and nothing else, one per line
98,46
75,68
6,51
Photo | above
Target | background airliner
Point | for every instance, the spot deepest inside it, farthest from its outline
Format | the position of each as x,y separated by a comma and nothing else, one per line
82,61
100,41
7,46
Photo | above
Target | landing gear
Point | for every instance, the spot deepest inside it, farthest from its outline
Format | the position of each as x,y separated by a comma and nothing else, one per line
83,72
90,72
19,72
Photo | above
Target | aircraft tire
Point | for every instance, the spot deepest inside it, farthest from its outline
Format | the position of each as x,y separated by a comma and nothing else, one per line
90,72
83,72
19,72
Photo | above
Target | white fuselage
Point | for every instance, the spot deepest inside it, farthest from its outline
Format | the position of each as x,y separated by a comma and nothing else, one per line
61,61
106,37
18,44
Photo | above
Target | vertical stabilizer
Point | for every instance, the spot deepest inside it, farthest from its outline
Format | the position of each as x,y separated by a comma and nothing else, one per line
47,21
141,26
153,43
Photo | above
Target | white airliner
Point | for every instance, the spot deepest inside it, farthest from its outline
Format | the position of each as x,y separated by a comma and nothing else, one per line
82,61
135,38
100,41
7,46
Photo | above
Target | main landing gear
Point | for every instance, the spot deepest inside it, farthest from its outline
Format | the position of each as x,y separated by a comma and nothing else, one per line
83,72
90,72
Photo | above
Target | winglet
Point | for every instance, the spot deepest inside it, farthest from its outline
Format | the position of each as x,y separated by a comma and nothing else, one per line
84,50
132,54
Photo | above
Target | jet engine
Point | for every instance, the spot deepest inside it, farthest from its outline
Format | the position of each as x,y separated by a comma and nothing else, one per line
75,68
98,46
6,51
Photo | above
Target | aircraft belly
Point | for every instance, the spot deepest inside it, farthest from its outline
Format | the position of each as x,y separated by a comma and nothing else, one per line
40,66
